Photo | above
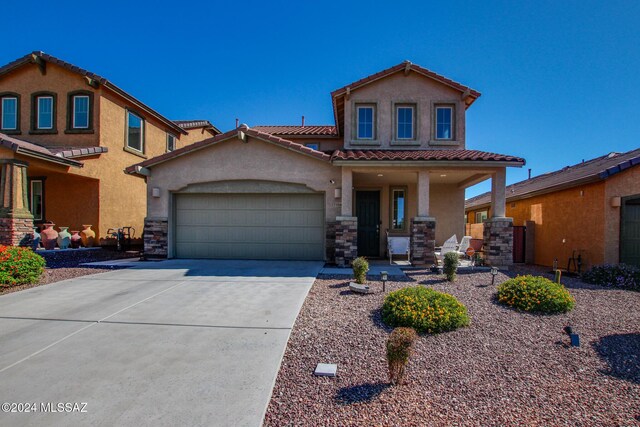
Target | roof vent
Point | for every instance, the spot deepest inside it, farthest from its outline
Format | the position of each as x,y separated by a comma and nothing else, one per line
613,154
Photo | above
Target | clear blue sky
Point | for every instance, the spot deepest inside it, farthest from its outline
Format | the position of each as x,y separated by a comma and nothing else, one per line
560,80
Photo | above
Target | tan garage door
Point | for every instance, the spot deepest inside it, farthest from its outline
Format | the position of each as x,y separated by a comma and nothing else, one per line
250,226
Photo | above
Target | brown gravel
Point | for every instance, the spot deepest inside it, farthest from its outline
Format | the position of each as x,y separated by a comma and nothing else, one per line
52,275
506,368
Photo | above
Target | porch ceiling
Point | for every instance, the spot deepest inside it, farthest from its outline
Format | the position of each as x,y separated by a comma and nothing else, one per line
462,177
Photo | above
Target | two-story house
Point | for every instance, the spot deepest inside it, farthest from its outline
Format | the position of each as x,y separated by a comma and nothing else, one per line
395,160
66,135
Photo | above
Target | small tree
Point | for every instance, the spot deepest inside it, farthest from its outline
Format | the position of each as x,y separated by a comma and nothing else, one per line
360,267
399,349
451,263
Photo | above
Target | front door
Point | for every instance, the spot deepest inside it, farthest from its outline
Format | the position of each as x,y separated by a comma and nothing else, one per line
368,213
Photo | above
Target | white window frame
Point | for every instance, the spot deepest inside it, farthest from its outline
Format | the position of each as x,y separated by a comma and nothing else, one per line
73,111
2,126
170,136
452,124
479,216
38,99
31,201
373,122
413,122
404,191
142,130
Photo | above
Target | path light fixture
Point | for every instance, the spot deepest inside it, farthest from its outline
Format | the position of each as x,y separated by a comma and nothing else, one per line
494,273
385,276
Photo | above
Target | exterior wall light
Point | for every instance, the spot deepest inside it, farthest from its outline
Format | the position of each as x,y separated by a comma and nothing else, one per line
155,192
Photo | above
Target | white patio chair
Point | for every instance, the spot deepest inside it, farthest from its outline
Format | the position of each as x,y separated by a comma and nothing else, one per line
464,245
397,245
450,245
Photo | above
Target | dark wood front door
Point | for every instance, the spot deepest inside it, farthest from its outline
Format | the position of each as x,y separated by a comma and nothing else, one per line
368,213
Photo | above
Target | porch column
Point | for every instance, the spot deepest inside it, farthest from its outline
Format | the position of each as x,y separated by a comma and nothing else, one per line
498,230
345,226
423,193
16,222
423,227
347,192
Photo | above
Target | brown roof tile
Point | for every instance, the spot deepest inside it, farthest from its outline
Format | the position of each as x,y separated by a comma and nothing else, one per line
34,150
194,124
307,130
423,155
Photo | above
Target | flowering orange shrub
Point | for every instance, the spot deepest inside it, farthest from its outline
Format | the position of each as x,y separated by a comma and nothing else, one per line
424,309
19,266
535,294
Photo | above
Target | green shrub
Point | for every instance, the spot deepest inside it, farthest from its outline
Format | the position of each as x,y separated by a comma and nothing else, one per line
399,349
535,294
360,267
19,266
614,276
424,309
451,262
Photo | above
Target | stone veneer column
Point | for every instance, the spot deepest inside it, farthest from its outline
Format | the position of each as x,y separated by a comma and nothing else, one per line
16,222
346,241
423,240
156,237
498,241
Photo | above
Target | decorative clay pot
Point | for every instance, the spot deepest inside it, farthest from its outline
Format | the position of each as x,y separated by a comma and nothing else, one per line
88,236
36,239
76,240
49,236
64,238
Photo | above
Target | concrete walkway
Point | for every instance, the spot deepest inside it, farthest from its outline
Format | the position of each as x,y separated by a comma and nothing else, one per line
179,342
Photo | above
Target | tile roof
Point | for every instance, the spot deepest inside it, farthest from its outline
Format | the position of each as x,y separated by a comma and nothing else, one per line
41,56
307,130
195,124
223,137
74,152
570,176
424,155
34,150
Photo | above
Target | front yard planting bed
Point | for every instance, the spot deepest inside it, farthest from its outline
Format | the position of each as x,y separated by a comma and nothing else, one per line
506,368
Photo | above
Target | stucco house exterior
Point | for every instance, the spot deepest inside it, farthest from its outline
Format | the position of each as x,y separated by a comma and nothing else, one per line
395,160
66,135
591,209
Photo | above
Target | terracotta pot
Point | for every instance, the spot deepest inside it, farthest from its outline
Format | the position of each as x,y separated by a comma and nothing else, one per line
76,240
49,236
35,244
64,238
88,236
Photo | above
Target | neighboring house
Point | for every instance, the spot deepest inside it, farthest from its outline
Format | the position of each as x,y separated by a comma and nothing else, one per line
396,160
66,135
591,209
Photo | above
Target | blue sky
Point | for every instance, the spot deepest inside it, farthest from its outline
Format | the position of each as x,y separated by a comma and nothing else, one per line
560,81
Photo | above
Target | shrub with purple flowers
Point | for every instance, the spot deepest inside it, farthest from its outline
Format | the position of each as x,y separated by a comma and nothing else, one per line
620,276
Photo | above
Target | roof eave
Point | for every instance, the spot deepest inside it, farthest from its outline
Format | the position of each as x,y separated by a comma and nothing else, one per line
413,163
52,159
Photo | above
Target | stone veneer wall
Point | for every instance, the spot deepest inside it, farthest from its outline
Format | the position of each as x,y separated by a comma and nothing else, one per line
498,241
346,240
330,242
156,238
423,240
16,231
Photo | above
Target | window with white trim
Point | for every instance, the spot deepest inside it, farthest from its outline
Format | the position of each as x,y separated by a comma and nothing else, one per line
81,112
481,217
444,122
398,209
9,120
365,120
44,119
171,142
36,199
405,115
135,132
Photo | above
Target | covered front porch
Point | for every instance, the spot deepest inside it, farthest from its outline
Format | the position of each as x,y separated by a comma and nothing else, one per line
424,204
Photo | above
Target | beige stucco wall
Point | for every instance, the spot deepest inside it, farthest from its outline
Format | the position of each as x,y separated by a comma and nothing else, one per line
623,184
194,135
400,89
237,160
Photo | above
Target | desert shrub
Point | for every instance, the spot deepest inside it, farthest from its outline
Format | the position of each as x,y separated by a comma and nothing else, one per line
614,276
399,349
424,309
360,267
19,266
451,262
535,294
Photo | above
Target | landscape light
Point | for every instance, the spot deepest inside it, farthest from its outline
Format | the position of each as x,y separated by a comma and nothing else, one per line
384,276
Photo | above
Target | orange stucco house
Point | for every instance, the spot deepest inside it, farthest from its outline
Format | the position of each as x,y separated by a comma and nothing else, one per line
590,210
66,135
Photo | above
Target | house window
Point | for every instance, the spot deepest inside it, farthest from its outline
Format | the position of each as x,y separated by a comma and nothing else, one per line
36,199
44,118
398,209
444,122
365,119
313,146
404,122
171,142
481,217
9,108
135,132
80,112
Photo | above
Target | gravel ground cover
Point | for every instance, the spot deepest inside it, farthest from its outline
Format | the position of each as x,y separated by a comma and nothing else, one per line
506,368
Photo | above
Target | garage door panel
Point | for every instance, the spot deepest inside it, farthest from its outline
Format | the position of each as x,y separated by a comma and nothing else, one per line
250,226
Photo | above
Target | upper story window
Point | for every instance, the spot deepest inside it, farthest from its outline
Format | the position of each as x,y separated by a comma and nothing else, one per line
365,119
444,122
44,119
405,122
171,142
313,146
80,112
135,132
9,113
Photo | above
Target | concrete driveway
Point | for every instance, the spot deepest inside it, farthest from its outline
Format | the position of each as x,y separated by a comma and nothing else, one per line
180,342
